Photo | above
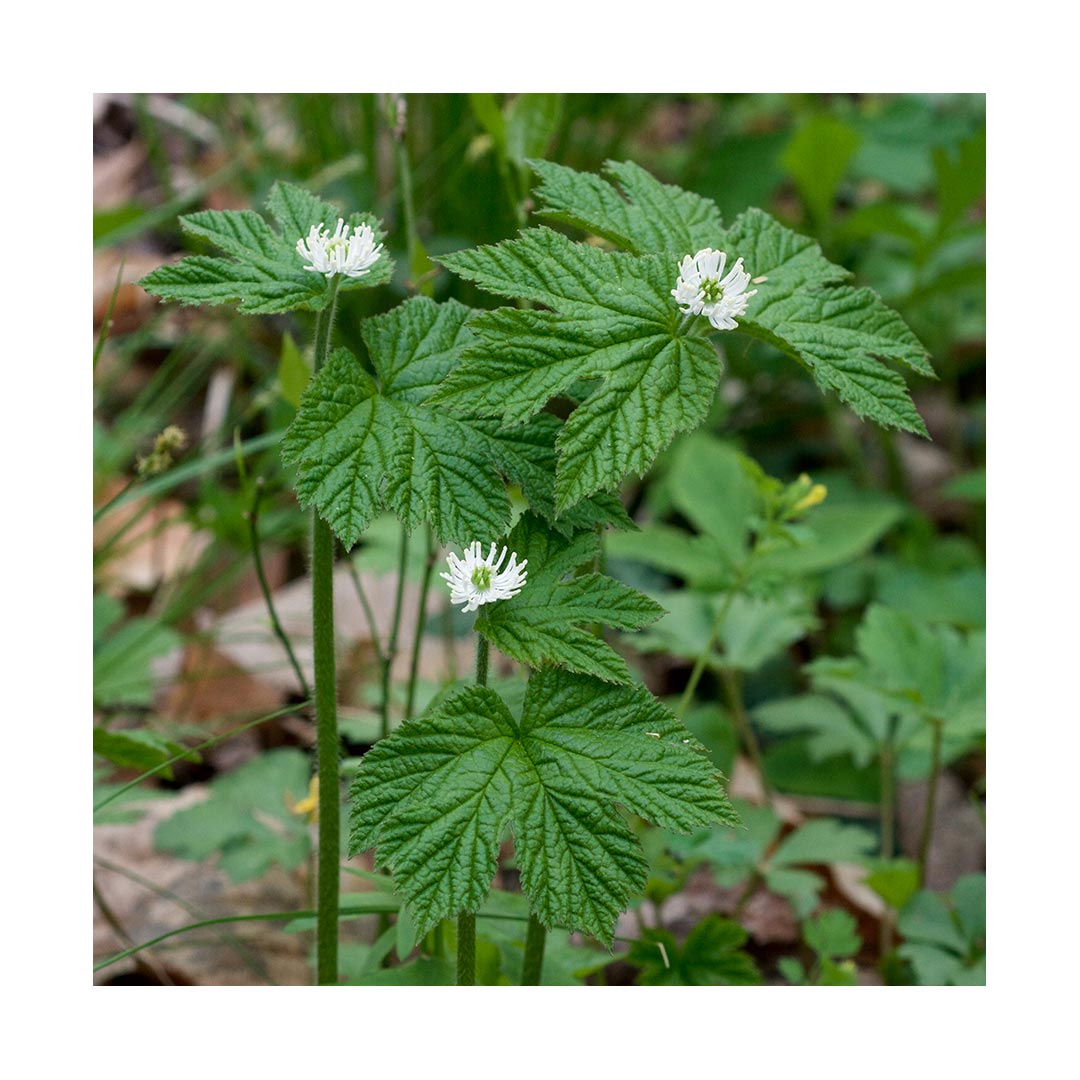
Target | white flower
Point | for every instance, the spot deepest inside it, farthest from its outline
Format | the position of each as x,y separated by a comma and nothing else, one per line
475,580
341,253
701,290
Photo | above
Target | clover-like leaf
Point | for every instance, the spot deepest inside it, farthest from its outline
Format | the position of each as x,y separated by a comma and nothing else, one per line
263,272
544,623
435,796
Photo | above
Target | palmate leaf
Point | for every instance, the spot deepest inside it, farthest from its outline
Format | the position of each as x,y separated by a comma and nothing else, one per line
544,623
612,319
364,443
805,307
435,797
264,273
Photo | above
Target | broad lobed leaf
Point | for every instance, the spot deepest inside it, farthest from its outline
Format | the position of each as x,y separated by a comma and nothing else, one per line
803,307
547,621
434,797
364,443
612,320
264,274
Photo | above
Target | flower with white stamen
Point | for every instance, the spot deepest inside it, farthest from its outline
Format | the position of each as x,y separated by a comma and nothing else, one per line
340,253
475,580
703,289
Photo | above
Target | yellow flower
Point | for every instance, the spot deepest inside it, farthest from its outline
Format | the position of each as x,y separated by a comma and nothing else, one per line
309,804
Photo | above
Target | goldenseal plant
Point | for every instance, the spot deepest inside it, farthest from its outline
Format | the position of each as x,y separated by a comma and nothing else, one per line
434,415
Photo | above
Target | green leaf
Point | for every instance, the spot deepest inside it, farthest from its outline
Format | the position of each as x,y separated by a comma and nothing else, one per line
817,159
927,919
945,936
709,486
712,955
526,455
294,372
137,749
835,730
840,333
834,534
792,970
531,122
932,966
362,445
961,178
833,935
545,622
801,887
698,560
265,273
896,881
246,818
612,319
823,840
434,797
652,218
942,669
969,903
755,629
918,673
122,656
751,631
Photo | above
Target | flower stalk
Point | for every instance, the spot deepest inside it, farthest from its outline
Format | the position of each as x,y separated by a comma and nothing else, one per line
326,730
466,923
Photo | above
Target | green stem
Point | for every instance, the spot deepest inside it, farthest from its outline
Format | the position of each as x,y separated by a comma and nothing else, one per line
483,650
106,323
369,615
264,585
931,798
419,265
733,689
327,742
446,627
714,635
106,507
466,923
533,966
395,626
421,609
887,764
466,949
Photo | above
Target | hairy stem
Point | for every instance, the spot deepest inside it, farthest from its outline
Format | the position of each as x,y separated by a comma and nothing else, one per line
931,798
466,923
326,729
533,966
